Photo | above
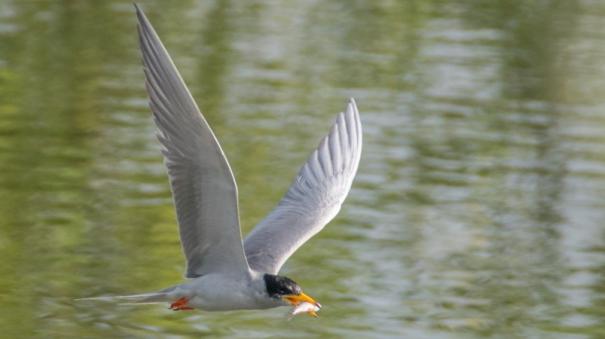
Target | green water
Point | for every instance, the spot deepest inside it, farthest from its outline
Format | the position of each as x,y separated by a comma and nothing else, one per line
479,206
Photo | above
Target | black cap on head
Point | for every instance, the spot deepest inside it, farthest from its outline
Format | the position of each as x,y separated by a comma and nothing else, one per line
278,286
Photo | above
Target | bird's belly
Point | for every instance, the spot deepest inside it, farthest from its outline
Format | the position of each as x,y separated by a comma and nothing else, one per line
214,303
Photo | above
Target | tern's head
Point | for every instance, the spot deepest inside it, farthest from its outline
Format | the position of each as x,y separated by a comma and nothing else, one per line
286,290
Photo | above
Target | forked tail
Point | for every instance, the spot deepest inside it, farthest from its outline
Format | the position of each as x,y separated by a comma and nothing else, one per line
143,298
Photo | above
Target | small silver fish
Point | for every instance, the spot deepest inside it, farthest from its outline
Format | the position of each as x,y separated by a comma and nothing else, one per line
305,307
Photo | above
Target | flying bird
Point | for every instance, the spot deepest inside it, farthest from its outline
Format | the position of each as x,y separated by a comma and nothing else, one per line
226,273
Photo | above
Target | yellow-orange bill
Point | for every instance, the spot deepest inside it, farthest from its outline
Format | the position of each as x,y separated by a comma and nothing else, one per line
295,299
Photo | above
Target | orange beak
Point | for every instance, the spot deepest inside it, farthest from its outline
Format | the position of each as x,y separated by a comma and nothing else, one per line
295,299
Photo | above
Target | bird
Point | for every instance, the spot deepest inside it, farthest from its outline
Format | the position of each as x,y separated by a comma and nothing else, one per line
223,271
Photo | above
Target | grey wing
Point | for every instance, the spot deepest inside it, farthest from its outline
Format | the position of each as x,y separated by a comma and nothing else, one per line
203,187
313,199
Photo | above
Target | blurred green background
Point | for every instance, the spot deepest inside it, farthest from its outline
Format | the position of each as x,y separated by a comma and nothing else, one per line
479,206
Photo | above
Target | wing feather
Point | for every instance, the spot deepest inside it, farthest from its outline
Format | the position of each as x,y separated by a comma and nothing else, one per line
313,199
203,186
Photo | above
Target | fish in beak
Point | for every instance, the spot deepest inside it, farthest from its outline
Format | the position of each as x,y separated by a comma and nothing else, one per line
302,303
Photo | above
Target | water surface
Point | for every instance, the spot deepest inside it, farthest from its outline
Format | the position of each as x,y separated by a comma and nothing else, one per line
478,207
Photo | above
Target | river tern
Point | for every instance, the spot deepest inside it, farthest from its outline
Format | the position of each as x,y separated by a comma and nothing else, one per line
226,273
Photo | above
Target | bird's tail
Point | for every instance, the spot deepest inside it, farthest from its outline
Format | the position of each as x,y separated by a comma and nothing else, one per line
143,298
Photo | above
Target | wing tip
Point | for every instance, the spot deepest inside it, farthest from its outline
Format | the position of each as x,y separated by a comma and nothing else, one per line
352,101
139,11
353,112
144,25
353,105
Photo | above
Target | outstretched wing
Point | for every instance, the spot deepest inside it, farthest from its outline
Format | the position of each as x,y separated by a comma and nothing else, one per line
203,187
313,199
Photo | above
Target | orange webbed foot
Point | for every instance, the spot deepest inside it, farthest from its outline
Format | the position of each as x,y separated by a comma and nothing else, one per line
180,305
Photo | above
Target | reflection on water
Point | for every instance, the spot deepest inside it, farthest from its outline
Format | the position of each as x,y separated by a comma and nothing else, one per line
478,206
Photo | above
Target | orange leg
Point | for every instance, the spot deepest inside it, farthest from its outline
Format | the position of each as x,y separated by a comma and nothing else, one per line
180,305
